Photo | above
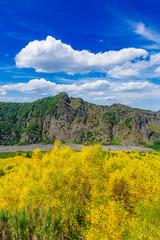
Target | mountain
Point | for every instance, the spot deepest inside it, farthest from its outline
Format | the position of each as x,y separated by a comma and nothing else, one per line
72,119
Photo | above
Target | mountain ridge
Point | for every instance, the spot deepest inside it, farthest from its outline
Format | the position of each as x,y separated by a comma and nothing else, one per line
72,119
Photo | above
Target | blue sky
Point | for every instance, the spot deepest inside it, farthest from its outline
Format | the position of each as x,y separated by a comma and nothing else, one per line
105,51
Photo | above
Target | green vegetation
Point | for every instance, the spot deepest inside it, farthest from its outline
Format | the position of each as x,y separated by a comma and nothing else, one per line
109,116
2,173
127,122
8,155
74,120
18,119
46,106
115,141
155,145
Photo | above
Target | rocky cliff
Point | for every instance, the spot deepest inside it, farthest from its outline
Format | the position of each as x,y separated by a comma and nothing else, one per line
74,120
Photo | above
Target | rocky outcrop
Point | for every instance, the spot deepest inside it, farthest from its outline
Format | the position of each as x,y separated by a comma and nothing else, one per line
74,120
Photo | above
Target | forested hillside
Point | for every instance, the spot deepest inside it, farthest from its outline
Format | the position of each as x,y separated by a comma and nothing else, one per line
72,119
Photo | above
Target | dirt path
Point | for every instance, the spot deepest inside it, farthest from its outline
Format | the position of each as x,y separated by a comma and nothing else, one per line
73,146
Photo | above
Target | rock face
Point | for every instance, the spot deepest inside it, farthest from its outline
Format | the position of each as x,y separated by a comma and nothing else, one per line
74,120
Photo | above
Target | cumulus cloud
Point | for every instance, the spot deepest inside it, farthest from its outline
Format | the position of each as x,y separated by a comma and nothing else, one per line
129,69
42,86
53,56
99,91
122,72
33,86
138,69
155,59
96,91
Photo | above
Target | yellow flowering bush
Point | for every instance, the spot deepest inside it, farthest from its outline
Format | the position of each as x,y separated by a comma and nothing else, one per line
65,194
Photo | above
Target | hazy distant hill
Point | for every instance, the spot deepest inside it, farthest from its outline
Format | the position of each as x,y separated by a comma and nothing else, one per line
72,119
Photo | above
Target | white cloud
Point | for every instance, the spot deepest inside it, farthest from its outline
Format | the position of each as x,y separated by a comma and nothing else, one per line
155,59
15,99
148,33
99,84
152,46
134,86
42,86
105,98
6,68
129,70
3,91
33,86
157,70
97,91
52,56
122,72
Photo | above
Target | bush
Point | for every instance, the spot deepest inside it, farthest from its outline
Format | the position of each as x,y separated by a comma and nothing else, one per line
64,194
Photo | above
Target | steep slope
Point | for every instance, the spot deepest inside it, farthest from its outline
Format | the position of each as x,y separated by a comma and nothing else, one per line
72,119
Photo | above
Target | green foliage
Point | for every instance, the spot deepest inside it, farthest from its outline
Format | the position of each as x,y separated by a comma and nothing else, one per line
14,116
22,142
87,138
28,155
9,167
24,111
63,142
82,137
8,120
127,122
89,135
2,173
7,155
110,117
115,141
155,145
27,123
146,223
49,141
32,127
46,106
34,132
37,224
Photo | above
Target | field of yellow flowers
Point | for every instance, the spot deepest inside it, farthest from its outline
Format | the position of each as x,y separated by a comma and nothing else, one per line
64,194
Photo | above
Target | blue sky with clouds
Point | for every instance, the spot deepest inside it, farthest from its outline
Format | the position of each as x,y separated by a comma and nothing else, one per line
105,51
